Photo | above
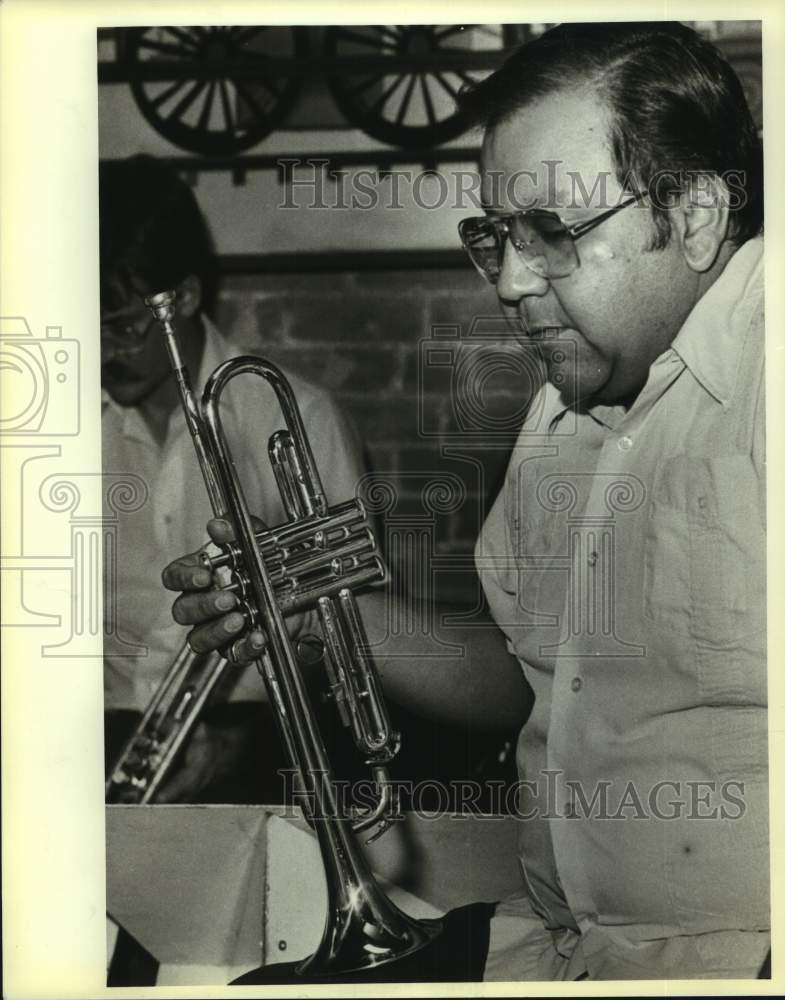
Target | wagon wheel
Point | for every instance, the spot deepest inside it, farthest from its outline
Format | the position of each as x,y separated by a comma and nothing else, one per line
214,90
401,82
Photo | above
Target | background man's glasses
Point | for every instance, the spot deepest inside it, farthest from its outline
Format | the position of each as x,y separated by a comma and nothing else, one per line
544,241
127,329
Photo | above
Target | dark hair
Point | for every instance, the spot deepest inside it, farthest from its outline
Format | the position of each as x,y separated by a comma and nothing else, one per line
151,230
676,106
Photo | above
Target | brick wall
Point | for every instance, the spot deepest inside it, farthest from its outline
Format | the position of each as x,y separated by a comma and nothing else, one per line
423,364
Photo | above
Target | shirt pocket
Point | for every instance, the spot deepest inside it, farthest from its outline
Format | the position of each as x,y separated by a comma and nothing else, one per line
705,551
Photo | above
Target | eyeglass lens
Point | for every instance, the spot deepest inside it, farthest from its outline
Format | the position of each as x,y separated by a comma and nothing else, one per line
130,330
541,239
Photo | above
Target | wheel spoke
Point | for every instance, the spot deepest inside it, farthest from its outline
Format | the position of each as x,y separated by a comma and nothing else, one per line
426,96
447,86
354,36
204,115
183,35
386,95
486,29
451,29
250,99
263,78
392,33
465,77
243,35
228,115
188,99
165,47
405,101
164,96
358,88
270,83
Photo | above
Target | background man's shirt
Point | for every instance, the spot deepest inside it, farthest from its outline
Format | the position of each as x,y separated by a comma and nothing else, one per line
625,562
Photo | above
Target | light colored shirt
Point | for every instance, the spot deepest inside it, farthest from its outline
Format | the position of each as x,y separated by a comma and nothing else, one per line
171,522
625,562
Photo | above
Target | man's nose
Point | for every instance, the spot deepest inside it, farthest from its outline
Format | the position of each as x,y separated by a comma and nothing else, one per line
517,279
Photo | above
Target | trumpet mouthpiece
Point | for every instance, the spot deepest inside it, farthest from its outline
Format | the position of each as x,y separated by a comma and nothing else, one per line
162,305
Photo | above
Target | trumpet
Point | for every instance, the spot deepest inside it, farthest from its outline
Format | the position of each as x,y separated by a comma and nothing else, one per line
147,757
314,560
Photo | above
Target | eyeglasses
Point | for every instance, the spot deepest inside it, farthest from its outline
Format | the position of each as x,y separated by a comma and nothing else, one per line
127,329
545,242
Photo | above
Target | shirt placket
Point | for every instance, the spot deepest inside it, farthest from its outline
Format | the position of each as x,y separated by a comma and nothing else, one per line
590,634
172,494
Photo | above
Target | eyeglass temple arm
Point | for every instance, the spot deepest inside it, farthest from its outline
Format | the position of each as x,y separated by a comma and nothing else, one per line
584,227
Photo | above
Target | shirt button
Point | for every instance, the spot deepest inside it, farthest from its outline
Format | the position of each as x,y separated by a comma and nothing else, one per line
625,443
576,684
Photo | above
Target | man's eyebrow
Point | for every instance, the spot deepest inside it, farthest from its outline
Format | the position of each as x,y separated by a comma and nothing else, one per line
496,210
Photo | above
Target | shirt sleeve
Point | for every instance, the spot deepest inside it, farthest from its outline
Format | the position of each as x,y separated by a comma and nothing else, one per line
493,560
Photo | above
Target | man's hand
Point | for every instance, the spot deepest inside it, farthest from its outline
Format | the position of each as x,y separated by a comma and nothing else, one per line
214,612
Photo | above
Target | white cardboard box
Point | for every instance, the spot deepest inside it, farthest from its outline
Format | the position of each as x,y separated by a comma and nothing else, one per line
213,891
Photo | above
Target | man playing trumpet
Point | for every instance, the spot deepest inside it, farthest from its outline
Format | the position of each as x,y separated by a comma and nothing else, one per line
640,651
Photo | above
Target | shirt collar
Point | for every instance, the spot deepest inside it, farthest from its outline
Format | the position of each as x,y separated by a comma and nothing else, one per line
711,339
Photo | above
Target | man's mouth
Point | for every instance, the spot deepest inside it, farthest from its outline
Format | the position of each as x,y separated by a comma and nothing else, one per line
116,372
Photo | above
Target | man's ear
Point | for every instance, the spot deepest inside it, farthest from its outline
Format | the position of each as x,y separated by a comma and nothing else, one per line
189,296
700,223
